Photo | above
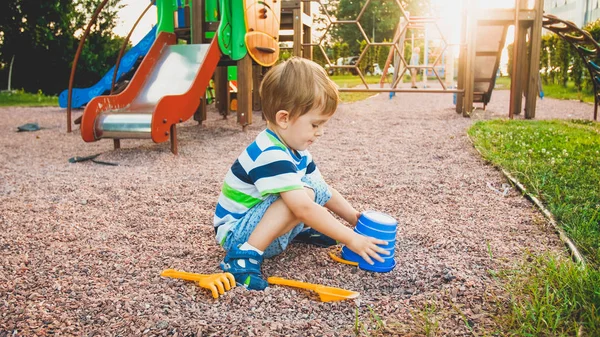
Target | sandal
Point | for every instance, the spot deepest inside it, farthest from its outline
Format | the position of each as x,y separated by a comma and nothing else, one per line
248,276
312,237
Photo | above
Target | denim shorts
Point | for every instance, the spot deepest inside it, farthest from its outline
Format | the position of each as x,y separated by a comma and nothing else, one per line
240,232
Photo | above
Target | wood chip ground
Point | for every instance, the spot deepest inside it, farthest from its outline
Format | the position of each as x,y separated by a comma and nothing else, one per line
82,245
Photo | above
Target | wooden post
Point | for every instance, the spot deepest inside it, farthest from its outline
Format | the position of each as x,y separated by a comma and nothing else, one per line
522,68
534,65
460,81
307,51
469,75
173,136
244,94
116,143
256,79
197,33
221,91
297,14
515,92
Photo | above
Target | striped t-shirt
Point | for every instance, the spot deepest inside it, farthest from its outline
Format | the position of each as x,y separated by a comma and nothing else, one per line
265,167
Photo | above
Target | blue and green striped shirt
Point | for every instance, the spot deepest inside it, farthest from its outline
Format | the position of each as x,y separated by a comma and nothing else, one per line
265,167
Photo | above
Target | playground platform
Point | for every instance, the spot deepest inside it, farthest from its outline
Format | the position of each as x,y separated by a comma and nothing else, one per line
82,245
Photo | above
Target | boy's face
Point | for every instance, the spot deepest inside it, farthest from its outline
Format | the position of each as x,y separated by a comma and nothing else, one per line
300,133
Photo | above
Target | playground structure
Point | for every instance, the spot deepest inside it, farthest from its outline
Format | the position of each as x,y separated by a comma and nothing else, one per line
482,40
169,85
81,96
172,78
587,48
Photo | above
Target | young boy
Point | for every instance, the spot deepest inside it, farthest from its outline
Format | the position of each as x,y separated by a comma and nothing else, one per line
274,189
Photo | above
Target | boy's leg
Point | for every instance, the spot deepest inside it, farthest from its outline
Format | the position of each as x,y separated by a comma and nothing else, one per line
278,220
257,231
271,217
322,196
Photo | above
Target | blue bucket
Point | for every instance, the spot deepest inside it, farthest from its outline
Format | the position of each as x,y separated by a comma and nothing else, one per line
382,235
378,221
389,262
377,225
380,226
378,267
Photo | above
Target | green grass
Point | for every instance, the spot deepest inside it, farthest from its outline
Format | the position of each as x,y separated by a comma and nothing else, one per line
550,296
426,319
21,98
502,83
373,326
351,81
558,162
553,90
568,93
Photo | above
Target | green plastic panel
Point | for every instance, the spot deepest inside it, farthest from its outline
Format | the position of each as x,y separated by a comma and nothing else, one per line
165,21
224,30
231,36
238,18
232,73
211,13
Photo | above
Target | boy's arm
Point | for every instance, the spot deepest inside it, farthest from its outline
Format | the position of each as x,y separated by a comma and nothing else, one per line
340,206
317,217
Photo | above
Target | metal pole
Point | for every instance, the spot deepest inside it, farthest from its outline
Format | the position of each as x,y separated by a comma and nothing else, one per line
123,46
373,24
426,55
10,71
76,59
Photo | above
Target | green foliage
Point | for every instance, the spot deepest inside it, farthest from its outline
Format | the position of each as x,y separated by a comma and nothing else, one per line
41,37
379,21
564,55
21,98
318,57
284,54
560,63
577,73
509,66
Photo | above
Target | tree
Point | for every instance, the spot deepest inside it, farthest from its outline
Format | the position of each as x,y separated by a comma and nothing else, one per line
379,21
43,38
564,60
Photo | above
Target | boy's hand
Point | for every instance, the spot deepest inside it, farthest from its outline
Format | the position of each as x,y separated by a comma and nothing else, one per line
367,248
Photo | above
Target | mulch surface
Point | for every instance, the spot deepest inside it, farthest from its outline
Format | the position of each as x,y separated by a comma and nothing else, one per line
82,245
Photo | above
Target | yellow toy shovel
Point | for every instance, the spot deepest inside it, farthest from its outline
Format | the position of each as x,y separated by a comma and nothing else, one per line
216,283
326,294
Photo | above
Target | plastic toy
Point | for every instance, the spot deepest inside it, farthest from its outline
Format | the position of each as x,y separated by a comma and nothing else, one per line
216,283
326,294
377,225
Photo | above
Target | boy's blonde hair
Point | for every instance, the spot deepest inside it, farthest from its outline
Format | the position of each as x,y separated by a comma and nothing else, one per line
297,86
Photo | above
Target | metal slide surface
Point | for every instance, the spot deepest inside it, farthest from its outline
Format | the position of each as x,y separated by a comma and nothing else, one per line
490,42
165,90
81,96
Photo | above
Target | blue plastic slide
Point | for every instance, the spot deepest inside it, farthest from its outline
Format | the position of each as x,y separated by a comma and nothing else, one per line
82,96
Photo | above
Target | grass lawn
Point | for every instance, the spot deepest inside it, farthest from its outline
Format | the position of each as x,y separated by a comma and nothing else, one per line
553,90
21,98
558,162
351,81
